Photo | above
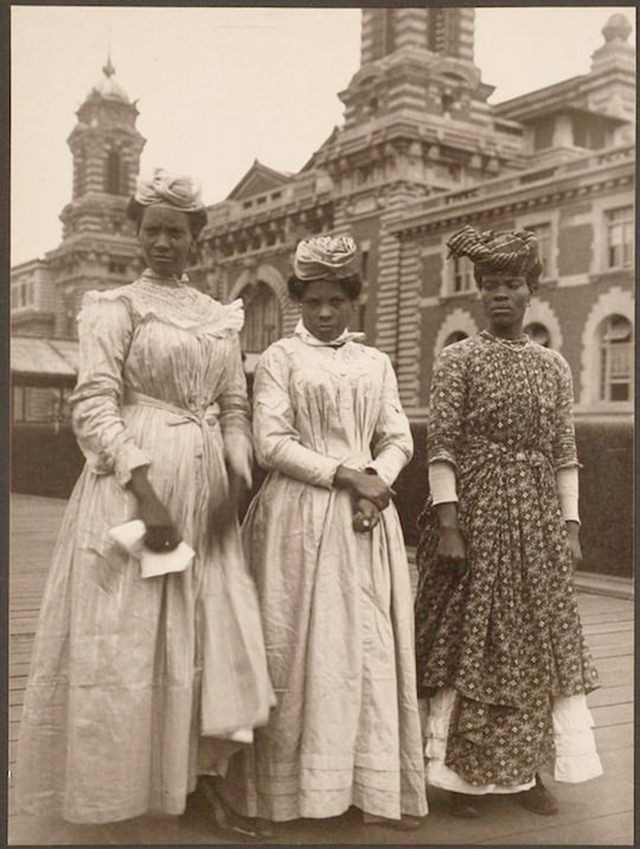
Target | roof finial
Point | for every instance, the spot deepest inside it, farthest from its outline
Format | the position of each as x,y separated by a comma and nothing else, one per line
108,70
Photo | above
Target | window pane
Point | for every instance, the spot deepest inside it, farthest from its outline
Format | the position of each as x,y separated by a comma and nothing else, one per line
538,333
603,374
619,237
619,391
620,362
462,275
37,404
262,318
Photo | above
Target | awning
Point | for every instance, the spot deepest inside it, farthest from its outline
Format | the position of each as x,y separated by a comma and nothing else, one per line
44,358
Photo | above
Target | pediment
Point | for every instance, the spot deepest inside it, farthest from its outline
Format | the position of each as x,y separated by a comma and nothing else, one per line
258,180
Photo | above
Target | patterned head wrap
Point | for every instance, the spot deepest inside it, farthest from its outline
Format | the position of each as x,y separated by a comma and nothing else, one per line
492,251
171,189
324,256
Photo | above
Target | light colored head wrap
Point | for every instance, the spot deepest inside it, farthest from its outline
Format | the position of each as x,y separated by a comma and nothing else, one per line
325,256
171,189
491,251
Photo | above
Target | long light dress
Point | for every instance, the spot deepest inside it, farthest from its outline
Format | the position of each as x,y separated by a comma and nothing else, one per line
500,649
133,681
336,605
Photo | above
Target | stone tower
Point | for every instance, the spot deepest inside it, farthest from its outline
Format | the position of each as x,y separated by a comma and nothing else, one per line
416,123
98,248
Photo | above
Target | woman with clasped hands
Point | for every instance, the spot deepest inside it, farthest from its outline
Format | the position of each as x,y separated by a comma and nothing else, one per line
324,544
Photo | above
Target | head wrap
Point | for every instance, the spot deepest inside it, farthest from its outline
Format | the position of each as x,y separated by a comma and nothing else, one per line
491,251
172,189
324,256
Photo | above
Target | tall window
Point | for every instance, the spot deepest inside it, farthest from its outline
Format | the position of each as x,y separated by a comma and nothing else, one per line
616,359
389,32
364,263
620,237
113,173
543,234
538,333
23,294
542,135
461,275
262,318
361,317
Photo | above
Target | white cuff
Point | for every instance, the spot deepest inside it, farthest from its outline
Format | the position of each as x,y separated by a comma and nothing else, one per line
442,482
567,483
389,463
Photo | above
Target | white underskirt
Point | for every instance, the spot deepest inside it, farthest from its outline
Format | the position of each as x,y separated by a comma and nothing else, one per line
576,756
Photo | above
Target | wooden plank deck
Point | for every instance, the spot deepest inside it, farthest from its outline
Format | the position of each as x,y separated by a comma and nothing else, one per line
599,812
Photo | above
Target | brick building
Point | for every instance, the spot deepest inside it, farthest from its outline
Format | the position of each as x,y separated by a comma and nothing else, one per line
420,152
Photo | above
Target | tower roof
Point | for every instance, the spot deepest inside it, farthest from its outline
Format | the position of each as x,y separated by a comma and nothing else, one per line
108,87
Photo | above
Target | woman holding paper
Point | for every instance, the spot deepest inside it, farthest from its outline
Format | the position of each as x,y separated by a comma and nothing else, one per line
140,684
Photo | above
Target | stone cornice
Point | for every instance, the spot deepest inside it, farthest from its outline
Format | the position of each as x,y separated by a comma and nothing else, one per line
563,94
514,194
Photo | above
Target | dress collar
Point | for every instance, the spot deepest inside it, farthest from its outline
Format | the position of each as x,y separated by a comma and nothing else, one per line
309,339
165,280
517,344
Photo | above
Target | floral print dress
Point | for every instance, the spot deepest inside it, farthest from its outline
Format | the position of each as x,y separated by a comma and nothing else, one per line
505,637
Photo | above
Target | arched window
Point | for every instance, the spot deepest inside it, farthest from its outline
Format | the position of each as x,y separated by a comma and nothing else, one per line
262,318
113,173
456,336
616,359
538,333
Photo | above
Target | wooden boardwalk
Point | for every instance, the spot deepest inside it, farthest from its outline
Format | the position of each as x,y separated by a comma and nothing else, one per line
599,812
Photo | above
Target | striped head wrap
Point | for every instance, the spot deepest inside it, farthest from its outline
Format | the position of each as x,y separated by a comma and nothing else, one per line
169,189
324,256
510,252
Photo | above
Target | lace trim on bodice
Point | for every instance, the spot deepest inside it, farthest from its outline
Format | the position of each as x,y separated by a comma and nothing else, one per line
174,303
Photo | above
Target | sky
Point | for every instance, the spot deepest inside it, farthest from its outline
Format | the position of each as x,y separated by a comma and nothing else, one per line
220,87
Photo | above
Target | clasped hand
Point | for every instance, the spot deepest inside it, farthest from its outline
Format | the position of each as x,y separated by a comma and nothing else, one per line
370,496
362,485
365,515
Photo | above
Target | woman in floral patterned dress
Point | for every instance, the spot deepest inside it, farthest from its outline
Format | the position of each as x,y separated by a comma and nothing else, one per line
139,685
500,650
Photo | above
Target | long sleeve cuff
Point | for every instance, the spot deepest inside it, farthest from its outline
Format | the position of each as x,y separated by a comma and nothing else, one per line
297,461
128,458
442,482
389,463
567,482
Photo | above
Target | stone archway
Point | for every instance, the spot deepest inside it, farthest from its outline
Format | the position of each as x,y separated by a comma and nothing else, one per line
540,312
458,320
616,301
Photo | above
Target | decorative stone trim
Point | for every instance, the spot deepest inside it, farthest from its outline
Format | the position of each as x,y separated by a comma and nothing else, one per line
615,301
543,313
458,319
